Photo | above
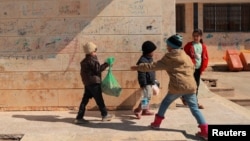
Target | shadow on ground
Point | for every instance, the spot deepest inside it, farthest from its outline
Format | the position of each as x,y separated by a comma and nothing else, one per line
126,122
220,68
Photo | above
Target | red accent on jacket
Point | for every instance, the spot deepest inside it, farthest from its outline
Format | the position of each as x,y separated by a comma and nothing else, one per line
189,49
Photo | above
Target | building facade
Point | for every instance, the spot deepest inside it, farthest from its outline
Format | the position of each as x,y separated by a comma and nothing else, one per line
225,23
41,46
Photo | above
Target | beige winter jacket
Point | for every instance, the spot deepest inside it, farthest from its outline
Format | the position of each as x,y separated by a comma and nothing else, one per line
180,69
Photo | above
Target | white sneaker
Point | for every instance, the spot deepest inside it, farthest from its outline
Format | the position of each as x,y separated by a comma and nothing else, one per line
108,117
80,121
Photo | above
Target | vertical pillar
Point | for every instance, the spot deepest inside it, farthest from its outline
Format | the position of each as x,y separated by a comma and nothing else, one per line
195,19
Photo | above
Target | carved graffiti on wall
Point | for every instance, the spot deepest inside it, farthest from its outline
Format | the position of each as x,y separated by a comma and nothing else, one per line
125,25
69,7
225,41
35,48
137,7
55,26
8,27
47,29
37,9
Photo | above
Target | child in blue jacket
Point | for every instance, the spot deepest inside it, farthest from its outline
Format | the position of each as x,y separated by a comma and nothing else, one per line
146,79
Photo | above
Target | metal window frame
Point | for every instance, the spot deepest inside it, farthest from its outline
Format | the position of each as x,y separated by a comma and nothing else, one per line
205,15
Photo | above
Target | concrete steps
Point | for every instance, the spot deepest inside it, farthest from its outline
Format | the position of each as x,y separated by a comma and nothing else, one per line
242,102
11,137
223,91
240,99
221,66
226,91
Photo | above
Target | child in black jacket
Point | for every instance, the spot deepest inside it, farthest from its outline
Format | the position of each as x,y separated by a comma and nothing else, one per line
91,71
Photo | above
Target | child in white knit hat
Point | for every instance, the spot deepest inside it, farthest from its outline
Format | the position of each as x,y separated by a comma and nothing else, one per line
91,71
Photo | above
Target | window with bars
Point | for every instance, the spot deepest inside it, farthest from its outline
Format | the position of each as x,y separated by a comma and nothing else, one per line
226,17
180,17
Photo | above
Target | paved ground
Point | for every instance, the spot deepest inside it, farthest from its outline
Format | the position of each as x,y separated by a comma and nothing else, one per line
178,125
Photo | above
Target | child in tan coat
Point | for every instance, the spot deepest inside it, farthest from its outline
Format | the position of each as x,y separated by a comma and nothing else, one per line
180,69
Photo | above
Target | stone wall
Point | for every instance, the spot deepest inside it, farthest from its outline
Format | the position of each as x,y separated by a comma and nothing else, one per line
41,48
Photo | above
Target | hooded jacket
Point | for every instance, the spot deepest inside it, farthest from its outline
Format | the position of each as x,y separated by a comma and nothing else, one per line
180,69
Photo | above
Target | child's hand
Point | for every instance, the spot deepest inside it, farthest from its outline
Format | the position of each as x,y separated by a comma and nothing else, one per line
133,67
110,60
106,64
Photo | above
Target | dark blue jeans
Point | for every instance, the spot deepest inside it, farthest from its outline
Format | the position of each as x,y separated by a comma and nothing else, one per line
94,91
197,76
191,100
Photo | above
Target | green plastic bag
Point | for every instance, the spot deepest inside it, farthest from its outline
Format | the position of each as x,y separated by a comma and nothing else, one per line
110,60
109,85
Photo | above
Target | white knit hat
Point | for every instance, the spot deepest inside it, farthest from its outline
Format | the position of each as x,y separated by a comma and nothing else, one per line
89,47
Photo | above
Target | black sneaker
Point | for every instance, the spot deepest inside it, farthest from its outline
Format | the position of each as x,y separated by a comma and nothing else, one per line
108,117
80,121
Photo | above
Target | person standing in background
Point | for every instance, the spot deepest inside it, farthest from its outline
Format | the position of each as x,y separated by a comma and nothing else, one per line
197,51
